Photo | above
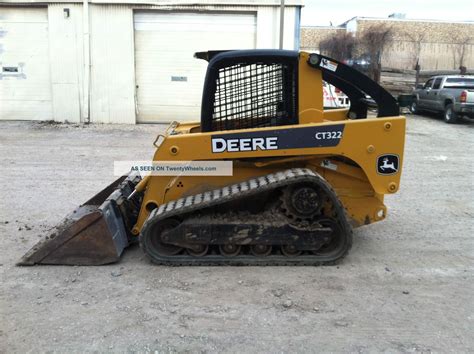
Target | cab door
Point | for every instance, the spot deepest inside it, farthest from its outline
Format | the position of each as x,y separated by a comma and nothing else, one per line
432,98
424,93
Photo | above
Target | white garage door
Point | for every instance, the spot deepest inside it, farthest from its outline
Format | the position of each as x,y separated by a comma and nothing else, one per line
169,79
25,87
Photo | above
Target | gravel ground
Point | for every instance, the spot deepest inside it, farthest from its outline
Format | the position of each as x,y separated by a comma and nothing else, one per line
406,286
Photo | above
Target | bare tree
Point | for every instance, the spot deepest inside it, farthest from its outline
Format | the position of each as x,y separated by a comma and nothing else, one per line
374,40
417,39
341,46
460,46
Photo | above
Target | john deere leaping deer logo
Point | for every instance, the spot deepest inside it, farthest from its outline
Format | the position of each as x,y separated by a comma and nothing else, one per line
387,164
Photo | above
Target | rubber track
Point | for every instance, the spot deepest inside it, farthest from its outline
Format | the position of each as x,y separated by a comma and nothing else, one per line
187,205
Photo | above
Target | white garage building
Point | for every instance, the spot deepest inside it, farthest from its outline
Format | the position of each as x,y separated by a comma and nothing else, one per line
128,62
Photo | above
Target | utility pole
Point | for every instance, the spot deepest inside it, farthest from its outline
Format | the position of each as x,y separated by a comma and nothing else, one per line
282,21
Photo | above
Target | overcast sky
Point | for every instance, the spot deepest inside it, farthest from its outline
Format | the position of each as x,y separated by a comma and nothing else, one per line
320,13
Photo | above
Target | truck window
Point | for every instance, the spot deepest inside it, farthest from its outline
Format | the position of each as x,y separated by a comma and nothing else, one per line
437,83
459,82
428,83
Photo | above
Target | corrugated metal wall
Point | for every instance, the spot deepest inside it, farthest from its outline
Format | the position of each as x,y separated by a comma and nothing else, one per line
112,97
112,57
66,61
268,27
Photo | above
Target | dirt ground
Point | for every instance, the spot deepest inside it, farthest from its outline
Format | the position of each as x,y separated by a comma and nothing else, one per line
407,285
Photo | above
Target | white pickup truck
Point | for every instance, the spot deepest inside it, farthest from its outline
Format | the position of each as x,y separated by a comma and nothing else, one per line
451,95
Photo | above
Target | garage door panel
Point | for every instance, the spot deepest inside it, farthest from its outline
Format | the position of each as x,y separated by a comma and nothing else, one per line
25,15
164,47
178,21
163,76
148,89
24,110
25,85
161,63
161,113
171,100
23,89
195,42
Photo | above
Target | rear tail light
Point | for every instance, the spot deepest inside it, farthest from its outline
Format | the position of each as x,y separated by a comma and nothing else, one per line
463,97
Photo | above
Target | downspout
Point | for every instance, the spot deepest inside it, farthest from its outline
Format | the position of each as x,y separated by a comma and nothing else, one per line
282,22
87,62
297,27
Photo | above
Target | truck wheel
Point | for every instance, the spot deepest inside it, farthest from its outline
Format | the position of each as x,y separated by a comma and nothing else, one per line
449,115
414,107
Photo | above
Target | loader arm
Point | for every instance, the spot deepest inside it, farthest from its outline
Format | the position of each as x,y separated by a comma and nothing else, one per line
345,77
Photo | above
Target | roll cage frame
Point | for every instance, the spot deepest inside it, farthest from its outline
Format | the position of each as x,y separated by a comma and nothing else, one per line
350,81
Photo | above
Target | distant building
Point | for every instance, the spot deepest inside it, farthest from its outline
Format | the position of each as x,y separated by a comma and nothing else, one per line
124,61
440,44
311,36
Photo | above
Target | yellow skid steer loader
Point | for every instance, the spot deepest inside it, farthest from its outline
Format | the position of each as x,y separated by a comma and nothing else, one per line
303,176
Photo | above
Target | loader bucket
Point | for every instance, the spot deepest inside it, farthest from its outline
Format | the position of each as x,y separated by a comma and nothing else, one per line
95,233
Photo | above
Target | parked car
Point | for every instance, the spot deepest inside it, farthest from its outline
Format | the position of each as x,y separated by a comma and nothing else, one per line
451,95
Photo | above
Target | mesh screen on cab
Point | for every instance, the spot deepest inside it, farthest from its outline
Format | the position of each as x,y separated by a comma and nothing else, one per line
254,95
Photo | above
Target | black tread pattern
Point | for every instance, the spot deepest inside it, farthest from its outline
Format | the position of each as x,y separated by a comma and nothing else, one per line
186,206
